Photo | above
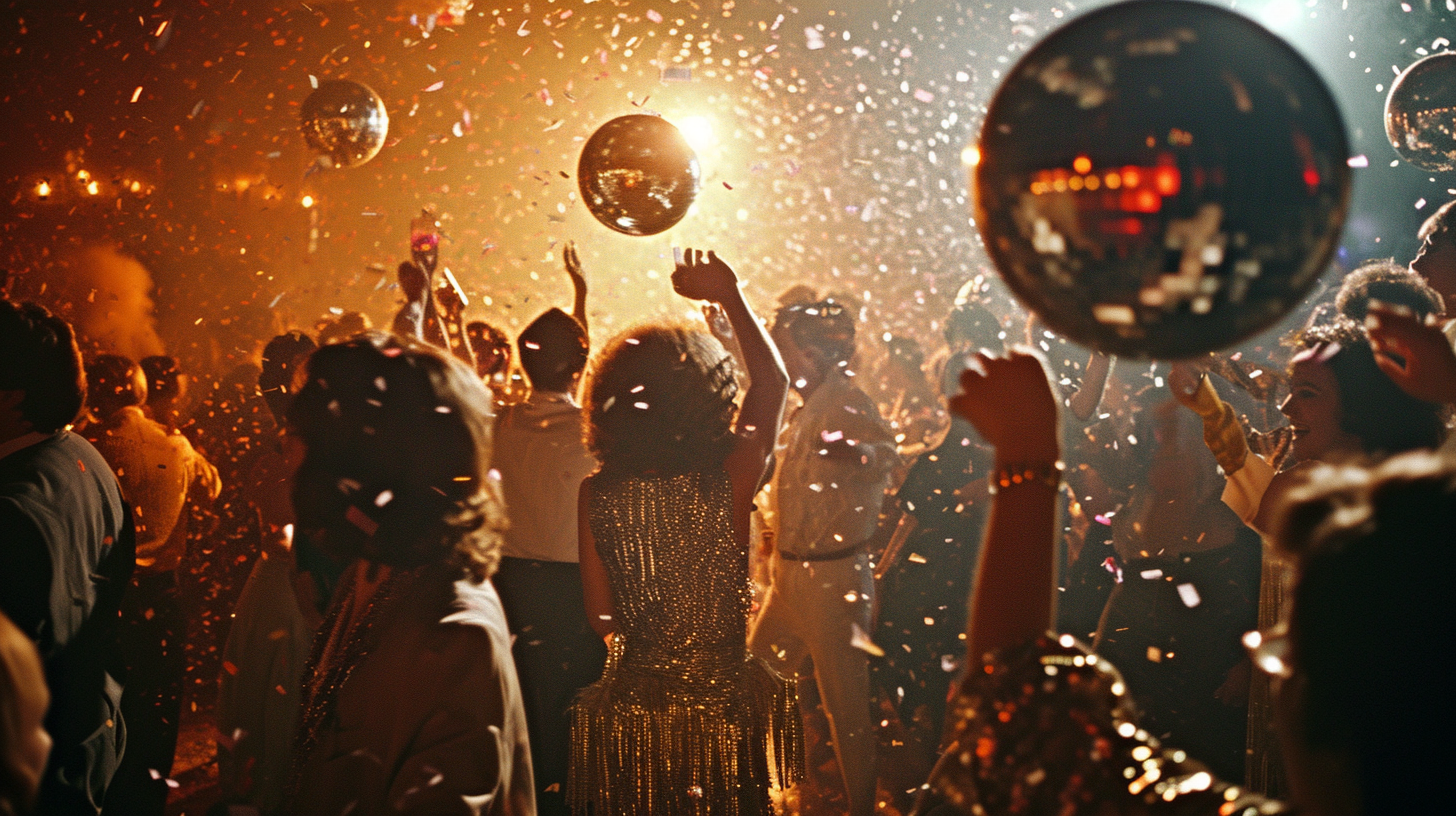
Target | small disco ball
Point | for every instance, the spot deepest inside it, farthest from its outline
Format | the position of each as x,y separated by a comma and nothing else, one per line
1420,113
345,122
1161,179
638,175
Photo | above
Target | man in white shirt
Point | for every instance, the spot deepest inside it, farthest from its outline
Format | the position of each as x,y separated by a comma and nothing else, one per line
541,458
834,467
159,471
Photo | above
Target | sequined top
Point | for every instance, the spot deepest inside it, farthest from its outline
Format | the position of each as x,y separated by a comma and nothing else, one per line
679,579
683,721
1050,728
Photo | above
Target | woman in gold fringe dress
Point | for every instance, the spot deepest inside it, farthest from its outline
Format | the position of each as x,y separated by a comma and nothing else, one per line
683,721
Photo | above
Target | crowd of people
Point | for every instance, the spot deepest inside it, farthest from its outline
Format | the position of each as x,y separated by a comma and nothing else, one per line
511,578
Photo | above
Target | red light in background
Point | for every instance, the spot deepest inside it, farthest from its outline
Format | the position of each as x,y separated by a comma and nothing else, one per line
1125,226
1167,180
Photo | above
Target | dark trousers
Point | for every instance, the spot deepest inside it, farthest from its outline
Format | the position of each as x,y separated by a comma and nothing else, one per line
557,654
1175,656
152,664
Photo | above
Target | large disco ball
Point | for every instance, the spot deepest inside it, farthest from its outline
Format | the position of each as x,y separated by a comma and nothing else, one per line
1161,179
638,175
345,122
1420,113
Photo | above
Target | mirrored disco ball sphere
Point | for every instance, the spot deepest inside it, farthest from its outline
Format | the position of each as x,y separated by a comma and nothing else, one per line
345,122
638,175
1420,113
1161,179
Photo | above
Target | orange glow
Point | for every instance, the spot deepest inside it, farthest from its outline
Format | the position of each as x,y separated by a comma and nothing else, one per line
1082,164
1131,177
1112,180
1167,180
43,189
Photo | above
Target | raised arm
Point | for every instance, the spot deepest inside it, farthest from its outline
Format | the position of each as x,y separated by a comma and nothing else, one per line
703,276
1009,400
578,285
1083,404
1248,476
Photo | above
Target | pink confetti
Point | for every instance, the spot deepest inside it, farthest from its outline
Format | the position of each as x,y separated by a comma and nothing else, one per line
654,16
922,95
435,87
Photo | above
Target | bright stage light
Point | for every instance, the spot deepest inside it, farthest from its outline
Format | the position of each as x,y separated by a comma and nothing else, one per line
1280,14
698,130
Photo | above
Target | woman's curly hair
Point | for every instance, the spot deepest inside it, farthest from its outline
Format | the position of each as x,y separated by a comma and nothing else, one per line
398,439
1373,408
661,400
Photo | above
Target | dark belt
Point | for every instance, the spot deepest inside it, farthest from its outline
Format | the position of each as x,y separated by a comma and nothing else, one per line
832,555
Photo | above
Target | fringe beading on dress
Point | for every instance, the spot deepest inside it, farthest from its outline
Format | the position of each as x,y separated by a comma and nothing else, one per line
683,721
648,743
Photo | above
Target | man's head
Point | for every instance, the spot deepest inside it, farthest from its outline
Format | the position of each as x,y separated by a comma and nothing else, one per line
116,383
815,338
283,361
491,346
1436,262
42,384
412,281
553,351
1389,282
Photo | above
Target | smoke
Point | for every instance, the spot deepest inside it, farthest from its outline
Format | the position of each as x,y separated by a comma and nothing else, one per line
107,298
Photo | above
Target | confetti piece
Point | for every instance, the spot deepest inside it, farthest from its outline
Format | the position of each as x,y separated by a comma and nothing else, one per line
859,640
356,517
1189,594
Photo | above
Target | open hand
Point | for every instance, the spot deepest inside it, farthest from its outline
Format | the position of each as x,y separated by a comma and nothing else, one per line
1412,352
703,276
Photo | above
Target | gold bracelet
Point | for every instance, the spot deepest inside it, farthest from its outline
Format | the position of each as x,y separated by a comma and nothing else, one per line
1044,473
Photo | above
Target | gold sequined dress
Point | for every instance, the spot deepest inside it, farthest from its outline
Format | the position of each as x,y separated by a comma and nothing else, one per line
1049,728
683,721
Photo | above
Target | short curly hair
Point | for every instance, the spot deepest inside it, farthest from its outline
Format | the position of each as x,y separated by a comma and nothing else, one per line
661,400
1387,281
397,440
41,358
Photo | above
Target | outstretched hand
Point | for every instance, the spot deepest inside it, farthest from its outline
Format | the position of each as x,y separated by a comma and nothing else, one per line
1412,352
1009,401
702,275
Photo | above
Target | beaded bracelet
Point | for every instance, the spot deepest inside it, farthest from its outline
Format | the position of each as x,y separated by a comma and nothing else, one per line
1045,473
